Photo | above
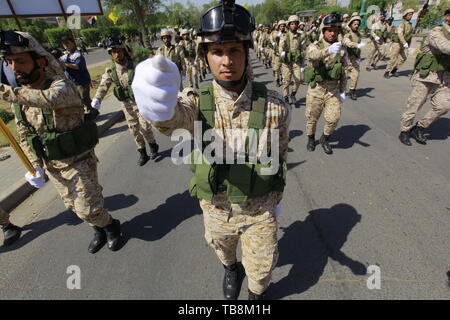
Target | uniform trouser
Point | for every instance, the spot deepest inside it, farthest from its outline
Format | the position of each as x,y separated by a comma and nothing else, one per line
440,102
266,55
255,225
139,127
324,97
85,96
288,71
276,66
353,72
376,53
397,51
191,72
4,218
78,186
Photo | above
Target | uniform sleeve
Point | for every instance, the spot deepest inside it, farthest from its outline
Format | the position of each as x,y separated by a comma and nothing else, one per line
343,81
284,130
60,95
104,85
315,54
348,42
439,42
282,45
186,112
400,33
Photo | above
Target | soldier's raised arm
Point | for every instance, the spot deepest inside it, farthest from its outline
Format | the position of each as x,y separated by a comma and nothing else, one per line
105,82
438,40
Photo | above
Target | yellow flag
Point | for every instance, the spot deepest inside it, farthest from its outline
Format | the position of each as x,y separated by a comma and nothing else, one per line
246,6
113,15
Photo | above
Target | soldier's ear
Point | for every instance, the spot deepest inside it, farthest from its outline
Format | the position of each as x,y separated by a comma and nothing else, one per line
42,62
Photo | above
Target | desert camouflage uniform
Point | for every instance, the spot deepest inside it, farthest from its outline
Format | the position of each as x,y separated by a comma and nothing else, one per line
390,29
275,37
191,71
377,52
264,39
292,69
75,178
138,126
436,85
325,96
403,30
254,221
172,53
351,40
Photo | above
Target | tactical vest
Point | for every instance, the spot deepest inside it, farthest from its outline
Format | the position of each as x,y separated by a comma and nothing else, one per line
289,57
189,49
427,62
240,181
120,92
408,37
354,52
323,73
53,145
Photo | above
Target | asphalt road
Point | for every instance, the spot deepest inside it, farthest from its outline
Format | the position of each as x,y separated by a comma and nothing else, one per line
374,202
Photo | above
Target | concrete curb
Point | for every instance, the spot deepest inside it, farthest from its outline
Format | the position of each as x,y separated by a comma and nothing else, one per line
21,190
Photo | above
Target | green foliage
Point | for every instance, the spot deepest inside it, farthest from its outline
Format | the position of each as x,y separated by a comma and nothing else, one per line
129,30
6,116
139,53
92,36
54,36
110,31
435,15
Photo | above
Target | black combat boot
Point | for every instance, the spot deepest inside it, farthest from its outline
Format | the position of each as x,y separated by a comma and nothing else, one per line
386,75
254,296
286,99
417,133
232,282
404,138
394,72
113,235
99,240
143,158
293,99
278,82
10,234
325,145
311,146
154,147
352,94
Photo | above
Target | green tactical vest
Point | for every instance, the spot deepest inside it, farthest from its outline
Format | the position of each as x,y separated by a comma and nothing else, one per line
120,92
189,49
240,181
427,62
408,37
53,145
354,52
322,73
289,57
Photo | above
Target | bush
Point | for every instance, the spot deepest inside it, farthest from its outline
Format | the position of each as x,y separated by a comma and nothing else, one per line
36,32
129,30
110,31
54,36
139,53
92,36
6,116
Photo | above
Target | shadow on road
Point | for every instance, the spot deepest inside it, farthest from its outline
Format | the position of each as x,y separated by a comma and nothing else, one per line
363,92
294,164
112,131
307,245
164,154
347,136
439,130
38,228
120,201
154,225
295,133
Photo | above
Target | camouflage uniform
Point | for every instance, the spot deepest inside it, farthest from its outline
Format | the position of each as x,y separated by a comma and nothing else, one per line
376,54
186,46
351,40
75,178
291,69
253,221
138,126
275,37
173,53
436,85
405,29
264,39
325,96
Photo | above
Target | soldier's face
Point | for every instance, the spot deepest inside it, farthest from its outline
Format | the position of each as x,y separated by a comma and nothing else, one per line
26,70
68,45
331,34
283,28
409,16
355,25
186,36
117,55
166,39
293,26
302,27
227,60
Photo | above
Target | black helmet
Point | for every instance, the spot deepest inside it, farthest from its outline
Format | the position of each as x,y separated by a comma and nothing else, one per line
228,19
11,38
331,20
67,38
113,42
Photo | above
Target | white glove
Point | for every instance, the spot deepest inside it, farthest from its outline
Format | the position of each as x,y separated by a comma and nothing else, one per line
194,64
302,70
261,48
278,209
361,45
377,38
405,46
273,43
283,54
359,60
38,181
279,33
335,48
96,104
342,97
155,86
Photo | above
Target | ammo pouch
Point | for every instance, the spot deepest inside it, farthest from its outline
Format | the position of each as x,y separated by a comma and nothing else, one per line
426,62
123,94
120,92
321,73
354,52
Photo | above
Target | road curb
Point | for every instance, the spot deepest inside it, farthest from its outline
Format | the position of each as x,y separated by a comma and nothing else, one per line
21,190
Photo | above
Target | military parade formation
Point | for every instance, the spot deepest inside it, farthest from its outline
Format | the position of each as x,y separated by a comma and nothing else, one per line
55,114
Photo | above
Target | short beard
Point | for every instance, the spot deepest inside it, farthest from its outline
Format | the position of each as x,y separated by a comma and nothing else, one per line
30,78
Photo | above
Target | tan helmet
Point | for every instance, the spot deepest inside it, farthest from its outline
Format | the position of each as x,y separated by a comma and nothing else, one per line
281,22
53,67
345,16
166,32
302,23
408,11
354,18
355,14
293,18
184,31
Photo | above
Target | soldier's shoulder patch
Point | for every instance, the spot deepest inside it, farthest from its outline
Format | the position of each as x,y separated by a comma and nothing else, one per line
274,97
